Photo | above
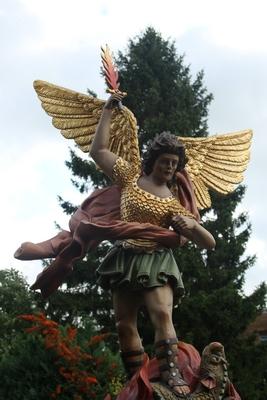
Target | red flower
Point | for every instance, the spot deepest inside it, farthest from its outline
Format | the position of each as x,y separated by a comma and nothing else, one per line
27,317
90,379
32,329
98,338
71,333
58,389
66,352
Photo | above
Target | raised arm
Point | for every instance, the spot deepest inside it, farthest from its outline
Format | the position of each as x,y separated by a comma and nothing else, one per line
191,229
99,152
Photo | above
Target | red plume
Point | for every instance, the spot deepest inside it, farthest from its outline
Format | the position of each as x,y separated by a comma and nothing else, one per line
110,71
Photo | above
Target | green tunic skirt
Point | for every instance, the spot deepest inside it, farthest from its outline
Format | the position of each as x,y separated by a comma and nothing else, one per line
124,268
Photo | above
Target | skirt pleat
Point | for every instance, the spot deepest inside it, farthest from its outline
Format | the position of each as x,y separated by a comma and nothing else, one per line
125,268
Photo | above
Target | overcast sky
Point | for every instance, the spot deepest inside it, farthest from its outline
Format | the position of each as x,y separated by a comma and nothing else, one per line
59,41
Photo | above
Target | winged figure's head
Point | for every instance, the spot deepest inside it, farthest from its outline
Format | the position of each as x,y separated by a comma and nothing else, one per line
164,143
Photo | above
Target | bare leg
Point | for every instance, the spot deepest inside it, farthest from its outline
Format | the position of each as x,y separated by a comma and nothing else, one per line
126,305
159,303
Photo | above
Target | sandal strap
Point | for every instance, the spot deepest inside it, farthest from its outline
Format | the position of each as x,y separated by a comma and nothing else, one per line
166,342
134,364
174,377
168,367
133,353
175,381
166,354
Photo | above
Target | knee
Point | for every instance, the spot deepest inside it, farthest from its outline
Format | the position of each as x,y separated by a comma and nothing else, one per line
126,328
161,315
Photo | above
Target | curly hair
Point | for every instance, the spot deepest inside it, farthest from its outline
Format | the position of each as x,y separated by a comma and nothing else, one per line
165,142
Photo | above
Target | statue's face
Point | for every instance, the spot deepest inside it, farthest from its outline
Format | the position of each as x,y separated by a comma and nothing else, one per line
165,166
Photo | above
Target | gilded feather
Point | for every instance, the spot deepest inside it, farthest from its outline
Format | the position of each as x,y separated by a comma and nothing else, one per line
77,116
217,163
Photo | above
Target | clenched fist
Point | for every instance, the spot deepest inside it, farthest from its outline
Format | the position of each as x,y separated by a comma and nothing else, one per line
181,223
114,100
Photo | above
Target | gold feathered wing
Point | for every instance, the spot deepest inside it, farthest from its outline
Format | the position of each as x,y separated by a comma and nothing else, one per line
77,116
217,163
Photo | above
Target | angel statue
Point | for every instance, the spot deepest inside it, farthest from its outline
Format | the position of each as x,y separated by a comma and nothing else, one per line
151,208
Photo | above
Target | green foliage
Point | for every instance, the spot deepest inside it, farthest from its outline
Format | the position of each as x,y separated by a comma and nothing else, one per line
250,361
14,299
14,294
214,280
161,91
87,173
50,361
26,370
82,297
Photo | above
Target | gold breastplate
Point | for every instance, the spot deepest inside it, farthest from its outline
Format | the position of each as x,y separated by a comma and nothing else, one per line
137,205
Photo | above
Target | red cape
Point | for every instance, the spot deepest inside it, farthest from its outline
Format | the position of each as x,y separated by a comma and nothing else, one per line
98,219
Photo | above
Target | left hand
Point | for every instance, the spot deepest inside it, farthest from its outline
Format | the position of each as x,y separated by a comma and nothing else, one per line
181,223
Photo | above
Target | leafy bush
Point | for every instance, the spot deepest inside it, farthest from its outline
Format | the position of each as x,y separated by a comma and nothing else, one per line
52,361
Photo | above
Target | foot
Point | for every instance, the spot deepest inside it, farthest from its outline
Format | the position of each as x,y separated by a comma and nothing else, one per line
31,251
163,391
166,353
183,387
176,384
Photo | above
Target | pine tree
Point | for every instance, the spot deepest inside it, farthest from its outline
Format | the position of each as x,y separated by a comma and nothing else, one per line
164,96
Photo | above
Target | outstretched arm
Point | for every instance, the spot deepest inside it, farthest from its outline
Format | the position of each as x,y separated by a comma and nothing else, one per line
192,230
99,152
